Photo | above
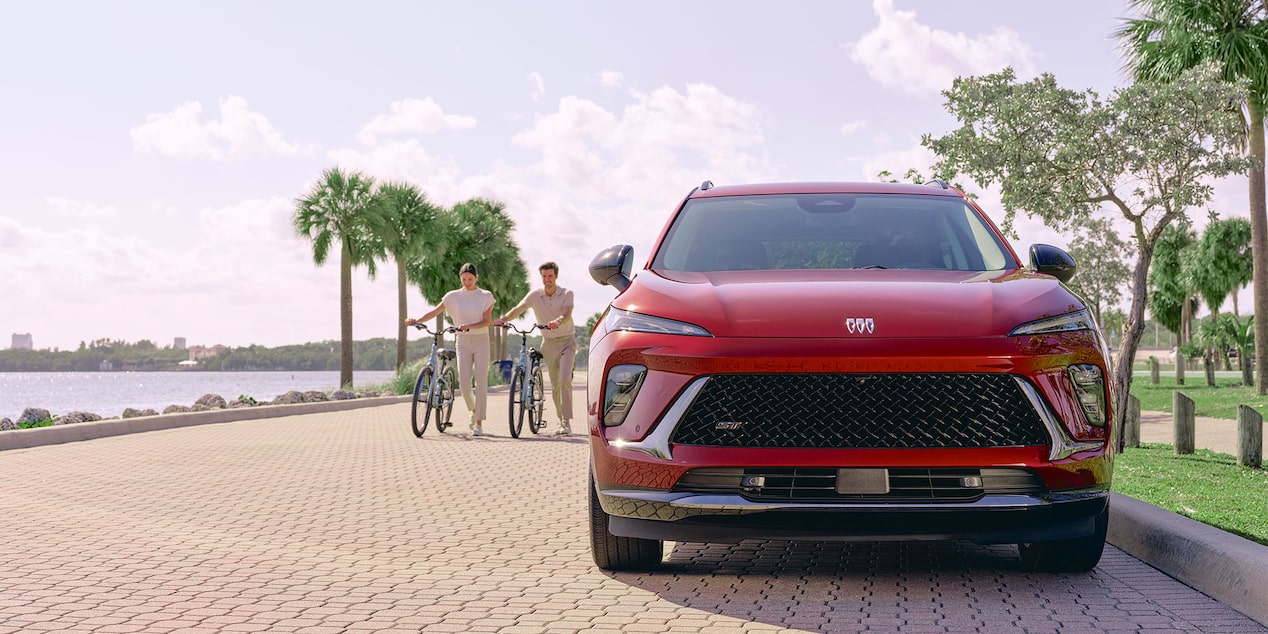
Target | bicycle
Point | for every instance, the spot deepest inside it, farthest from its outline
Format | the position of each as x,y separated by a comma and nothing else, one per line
434,395
527,396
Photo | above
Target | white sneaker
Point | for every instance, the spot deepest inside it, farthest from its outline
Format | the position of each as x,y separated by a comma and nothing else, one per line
477,429
564,429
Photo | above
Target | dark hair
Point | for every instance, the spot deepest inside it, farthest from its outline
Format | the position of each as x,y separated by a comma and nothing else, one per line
549,265
468,268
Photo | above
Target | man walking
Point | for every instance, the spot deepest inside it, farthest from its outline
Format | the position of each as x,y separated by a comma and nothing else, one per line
552,306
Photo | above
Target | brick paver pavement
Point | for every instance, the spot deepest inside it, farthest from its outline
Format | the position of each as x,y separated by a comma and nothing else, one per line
344,522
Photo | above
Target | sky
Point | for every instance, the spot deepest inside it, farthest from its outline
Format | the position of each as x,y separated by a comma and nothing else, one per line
151,152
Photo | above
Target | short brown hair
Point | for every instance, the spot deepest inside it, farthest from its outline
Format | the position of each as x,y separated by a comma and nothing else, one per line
468,268
548,265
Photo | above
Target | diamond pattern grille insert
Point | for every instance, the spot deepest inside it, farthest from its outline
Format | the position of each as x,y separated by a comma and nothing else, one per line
862,411
819,484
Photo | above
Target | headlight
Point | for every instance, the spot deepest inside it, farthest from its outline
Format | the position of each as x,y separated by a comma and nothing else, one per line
618,319
1089,385
1078,320
619,390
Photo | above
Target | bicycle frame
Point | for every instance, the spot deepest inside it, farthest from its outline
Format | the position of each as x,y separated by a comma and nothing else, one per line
438,373
527,390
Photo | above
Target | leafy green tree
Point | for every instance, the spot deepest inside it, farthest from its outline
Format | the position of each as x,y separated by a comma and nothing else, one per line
341,210
1098,250
411,230
1172,36
1220,263
1215,267
1170,298
478,231
1060,155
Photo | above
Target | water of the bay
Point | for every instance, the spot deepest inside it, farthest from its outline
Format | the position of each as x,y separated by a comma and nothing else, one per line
109,393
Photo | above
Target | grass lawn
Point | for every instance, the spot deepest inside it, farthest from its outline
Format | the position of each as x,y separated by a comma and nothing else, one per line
1220,401
1205,486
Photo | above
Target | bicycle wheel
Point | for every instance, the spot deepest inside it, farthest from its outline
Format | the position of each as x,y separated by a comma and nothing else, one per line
515,403
422,389
444,409
537,405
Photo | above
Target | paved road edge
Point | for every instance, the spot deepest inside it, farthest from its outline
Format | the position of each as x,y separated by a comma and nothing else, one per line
1224,566
57,434
1221,565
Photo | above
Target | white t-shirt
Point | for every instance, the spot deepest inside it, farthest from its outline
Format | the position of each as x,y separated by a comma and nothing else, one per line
468,307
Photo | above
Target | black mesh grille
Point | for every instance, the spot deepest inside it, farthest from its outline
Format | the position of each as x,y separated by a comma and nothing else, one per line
864,411
820,484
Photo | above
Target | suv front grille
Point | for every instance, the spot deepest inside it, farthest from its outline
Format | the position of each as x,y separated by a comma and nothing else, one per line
861,411
820,484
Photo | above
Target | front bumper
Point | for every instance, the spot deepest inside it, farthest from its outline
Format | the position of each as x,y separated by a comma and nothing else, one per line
695,517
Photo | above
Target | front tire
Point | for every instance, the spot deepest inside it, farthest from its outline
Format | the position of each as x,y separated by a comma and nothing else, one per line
515,403
422,394
611,552
444,409
1080,554
537,405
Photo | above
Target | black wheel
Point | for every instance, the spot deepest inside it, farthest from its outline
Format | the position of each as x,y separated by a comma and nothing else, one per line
618,553
444,408
417,418
1080,554
537,406
515,403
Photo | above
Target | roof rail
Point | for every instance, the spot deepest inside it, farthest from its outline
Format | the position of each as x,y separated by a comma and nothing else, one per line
707,185
938,182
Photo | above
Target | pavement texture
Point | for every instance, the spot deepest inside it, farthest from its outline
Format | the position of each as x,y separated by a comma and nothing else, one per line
343,521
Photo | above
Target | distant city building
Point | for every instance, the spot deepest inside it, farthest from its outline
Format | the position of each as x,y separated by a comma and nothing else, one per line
23,342
179,344
105,365
202,352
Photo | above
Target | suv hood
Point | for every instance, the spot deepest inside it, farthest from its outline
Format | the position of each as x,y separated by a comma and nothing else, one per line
817,303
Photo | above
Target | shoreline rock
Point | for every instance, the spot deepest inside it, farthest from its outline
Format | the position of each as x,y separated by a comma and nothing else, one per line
206,402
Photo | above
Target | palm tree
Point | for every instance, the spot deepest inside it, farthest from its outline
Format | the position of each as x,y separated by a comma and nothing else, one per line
341,208
410,231
478,231
1175,35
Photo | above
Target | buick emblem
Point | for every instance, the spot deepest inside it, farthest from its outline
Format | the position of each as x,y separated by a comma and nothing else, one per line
860,325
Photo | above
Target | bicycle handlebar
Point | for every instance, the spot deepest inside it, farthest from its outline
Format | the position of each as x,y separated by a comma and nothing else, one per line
525,332
423,326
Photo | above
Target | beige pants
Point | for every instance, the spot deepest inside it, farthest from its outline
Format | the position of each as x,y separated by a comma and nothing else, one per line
473,362
558,354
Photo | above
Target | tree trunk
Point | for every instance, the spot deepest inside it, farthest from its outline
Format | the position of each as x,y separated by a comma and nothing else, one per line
1259,239
1181,339
402,313
345,318
1132,331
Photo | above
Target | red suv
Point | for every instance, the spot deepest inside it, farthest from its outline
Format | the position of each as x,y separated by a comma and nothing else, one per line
845,361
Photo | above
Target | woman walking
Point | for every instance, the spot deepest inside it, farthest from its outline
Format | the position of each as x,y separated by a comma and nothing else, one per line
470,308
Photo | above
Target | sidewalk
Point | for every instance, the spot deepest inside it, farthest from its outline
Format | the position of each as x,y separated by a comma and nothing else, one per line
1216,434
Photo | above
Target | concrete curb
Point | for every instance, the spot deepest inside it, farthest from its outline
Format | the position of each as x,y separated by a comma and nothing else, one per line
26,438
1228,568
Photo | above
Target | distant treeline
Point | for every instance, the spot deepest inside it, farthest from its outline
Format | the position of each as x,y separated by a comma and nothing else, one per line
145,356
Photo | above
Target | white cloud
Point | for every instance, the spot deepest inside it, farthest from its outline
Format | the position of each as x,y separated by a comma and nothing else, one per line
539,86
611,79
903,54
239,133
412,116
406,161
854,126
81,210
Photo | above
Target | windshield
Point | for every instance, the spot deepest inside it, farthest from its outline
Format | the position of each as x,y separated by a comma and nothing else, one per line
830,231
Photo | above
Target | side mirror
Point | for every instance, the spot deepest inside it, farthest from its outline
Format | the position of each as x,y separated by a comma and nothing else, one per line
612,266
1046,258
